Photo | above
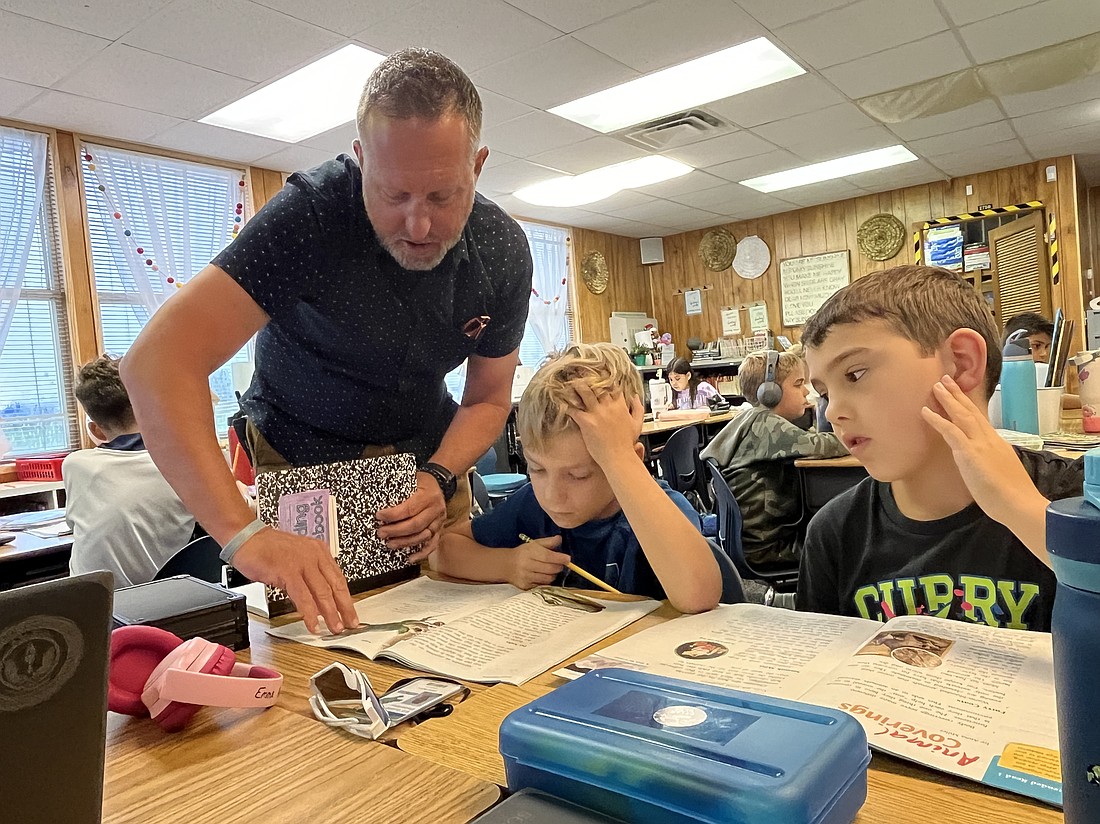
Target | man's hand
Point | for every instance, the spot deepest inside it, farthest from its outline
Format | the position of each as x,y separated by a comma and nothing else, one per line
987,463
536,563
608,426
307,572
416,521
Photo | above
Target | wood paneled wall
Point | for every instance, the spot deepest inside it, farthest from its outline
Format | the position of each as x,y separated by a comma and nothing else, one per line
826,228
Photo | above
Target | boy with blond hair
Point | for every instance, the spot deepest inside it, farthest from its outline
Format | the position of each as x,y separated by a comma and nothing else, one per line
591,500
952,520
756,453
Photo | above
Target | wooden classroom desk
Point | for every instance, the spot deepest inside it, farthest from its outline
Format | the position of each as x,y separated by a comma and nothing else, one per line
29,559
655,427
898,792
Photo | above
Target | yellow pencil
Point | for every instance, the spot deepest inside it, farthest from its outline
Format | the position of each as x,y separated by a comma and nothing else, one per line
588,576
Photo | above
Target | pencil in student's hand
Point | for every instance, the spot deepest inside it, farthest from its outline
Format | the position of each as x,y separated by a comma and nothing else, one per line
588,576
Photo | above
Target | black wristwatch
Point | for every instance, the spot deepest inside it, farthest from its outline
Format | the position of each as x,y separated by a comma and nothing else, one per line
446,479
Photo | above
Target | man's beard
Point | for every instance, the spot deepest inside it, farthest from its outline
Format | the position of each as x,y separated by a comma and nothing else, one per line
416,263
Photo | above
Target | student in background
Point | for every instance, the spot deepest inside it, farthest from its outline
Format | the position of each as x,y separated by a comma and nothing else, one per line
1040,333
756,452
688,391
952,520
125,517
591,500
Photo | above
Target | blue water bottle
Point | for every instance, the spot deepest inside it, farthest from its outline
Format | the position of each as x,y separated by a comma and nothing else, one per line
1019,395
1073,541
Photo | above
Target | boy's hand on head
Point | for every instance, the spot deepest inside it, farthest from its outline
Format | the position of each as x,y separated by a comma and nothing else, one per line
608,426
536,563
987,463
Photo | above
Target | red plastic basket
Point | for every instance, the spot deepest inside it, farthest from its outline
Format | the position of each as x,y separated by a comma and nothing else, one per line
43,468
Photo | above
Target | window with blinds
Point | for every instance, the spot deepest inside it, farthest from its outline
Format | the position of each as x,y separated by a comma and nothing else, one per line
549,325
154,222
37,410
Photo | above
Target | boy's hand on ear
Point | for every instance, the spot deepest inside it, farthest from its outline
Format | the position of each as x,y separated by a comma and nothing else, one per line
536,563
608,426
987,463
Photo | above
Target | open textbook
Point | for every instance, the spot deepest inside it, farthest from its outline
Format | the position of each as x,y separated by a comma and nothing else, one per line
970,700
476,632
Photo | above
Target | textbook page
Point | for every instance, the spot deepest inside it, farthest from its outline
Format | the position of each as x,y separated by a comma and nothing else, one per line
476,632
967,699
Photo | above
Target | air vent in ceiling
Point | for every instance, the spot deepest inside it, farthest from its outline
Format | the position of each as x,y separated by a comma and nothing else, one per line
674,130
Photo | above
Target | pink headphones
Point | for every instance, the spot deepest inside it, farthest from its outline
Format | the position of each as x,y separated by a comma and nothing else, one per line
156,673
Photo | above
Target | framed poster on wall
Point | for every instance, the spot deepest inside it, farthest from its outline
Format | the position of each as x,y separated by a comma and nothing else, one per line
807,282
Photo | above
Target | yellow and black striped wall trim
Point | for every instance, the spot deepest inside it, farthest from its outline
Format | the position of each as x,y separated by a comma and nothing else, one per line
918,250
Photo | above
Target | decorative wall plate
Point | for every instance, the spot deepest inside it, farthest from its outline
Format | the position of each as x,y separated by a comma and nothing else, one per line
753,257
717,249
594,272
880,237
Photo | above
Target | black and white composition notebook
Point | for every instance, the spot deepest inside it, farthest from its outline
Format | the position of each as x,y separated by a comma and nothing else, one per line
359,488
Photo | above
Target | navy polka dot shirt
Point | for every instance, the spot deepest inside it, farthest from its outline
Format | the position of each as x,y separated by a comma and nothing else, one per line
357,347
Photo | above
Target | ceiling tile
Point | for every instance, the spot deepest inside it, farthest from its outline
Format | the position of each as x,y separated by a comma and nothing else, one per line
828,191
830,147
1032,27
214,141
718,149
1087,88
1079,114
787,98
508,177
982,158
103,18
593,153
1075,140
566,217
294,159
345,17
25,43
140,79
897,177
665,213
235,37
860,29
625,228
721,199
570,15
830,122
474,34
962,12
669,32
979,114
554,73
624,199
775,14
94,117
534,133
977,136
904,65
750,167
335,141
497,109
691,182
14,95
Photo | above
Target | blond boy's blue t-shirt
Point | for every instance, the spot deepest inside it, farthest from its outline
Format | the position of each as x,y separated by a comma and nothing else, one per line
606,547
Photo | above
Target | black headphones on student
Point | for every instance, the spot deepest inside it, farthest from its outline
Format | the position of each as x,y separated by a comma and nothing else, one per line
770,393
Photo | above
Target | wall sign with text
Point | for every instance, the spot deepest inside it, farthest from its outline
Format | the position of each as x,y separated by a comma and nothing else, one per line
807,282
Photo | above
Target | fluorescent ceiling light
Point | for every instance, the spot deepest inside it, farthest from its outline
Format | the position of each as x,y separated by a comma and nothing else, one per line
312,100
830,169
722,74
576,190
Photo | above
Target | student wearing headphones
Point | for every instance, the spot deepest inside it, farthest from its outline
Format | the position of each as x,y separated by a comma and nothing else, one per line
756,452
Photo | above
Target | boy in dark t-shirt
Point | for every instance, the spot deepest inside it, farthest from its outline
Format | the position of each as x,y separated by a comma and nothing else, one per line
952,520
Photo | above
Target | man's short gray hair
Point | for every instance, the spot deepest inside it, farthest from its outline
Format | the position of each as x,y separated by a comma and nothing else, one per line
422,84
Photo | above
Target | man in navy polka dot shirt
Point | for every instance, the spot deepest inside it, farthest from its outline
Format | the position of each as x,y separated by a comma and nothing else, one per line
365,280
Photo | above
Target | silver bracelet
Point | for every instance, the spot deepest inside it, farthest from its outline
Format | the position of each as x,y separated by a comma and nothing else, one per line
235,543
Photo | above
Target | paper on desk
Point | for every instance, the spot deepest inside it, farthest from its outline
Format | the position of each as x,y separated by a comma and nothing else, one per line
55,530
475,632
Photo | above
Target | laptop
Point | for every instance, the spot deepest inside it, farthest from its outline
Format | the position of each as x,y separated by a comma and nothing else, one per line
54,650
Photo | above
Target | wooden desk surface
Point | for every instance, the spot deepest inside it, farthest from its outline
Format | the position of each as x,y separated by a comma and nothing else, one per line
27,546
653,427
275,767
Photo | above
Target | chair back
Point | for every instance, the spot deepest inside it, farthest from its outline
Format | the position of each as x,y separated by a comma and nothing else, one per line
733,591
729,519
480,493
200,559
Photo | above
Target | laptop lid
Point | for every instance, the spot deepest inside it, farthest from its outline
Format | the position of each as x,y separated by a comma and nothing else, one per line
54,650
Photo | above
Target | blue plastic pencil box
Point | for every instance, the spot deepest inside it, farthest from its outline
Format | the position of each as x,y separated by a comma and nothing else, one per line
653,750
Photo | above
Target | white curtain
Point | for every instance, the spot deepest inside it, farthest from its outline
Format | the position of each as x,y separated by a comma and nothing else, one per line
549,288
23,174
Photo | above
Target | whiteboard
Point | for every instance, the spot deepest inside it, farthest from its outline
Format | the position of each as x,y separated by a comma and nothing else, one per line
807,282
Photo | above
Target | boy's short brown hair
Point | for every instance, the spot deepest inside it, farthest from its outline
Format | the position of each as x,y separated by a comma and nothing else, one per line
752,368
544,408
100,391
924,304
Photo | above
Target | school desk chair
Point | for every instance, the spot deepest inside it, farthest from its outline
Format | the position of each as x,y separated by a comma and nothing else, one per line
733,590
729,534
199,559
682,468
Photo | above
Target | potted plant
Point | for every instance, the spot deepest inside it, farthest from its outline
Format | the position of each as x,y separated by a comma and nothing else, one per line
639,353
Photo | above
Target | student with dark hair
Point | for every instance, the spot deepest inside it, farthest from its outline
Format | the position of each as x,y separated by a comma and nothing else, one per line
1040,333
689,392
